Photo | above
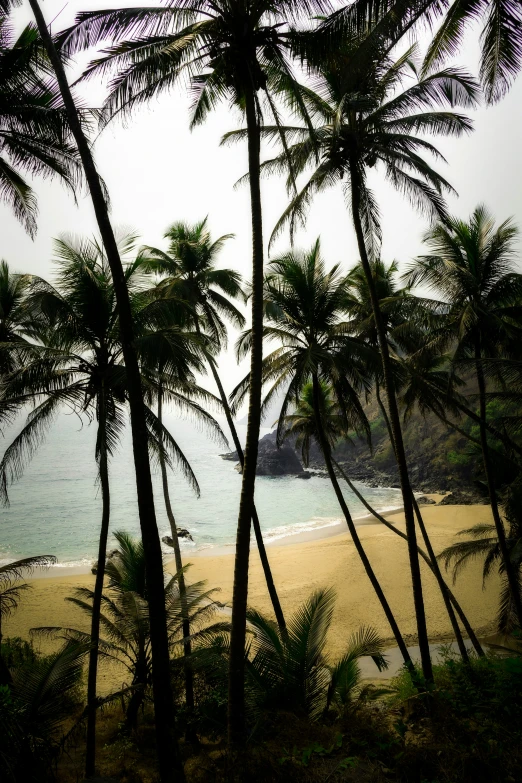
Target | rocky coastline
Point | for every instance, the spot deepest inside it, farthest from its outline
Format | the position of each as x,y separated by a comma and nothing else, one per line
286,461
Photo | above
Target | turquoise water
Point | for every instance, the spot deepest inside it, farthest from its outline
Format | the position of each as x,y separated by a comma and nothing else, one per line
55,506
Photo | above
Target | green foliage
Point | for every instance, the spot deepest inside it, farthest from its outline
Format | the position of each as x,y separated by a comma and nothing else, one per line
43,694
17,652
458,458
292,672
124,620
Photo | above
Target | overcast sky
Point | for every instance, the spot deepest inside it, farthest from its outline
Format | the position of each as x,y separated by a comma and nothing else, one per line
157,172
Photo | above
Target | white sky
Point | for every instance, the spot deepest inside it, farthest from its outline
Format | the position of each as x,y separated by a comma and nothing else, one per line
157,172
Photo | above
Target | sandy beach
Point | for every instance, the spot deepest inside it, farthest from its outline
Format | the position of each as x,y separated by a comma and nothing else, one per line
299,568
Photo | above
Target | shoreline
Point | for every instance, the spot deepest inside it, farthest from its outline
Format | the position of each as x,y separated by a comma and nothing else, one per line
298,569
329,530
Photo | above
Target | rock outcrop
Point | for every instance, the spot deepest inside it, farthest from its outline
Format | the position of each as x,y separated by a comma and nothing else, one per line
182,533
272,461
460,497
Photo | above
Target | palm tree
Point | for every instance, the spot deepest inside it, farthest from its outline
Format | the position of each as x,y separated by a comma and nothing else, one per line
303,307
301,425
166,743
11,589
483,543
34,137
500,37
13,321
233,49
125,617
364,119
405,319
188,269
80,366
41,700
292,672
471,264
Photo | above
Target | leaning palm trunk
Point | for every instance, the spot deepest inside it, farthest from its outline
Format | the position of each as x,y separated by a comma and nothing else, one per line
187,647
432,561
236,692
255,519
420,614
170,764
446,590
499,525
90,748
325,448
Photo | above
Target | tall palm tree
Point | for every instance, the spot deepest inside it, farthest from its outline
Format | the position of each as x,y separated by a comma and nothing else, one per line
79,365
472,266
237,50
170,763
301,425
363,119
304,305
403,320
34,136
188,269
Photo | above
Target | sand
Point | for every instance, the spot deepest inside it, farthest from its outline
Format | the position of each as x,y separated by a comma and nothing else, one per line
299,568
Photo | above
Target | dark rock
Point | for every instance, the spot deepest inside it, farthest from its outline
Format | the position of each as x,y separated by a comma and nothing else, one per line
272,461
460,497
182,533
424,501
231,456
304,475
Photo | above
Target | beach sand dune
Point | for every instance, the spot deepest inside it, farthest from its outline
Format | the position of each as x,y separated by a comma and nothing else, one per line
302,567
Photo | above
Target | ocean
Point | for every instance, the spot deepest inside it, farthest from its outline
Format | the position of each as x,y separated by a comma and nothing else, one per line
55,506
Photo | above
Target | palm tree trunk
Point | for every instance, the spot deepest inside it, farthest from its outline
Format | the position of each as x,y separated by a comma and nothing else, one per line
499,525
255,519
325,448
420,614
187,646
465,622
236,692
90,747
433,562
169,759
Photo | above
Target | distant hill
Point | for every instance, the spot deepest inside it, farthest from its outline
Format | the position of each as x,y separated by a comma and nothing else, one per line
439,458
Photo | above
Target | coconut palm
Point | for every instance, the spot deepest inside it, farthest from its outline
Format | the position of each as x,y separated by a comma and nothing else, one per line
188,269
301,426
125,622
483,544
364,119
500,37
34,137
472,266
236,50
79,366
304,305
164,711
292,672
